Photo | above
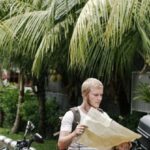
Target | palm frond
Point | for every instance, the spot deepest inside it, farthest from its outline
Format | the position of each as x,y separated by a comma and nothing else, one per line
120,21
110,20
142,92
143,24
90,23
103,27
39,32
15,7
49,43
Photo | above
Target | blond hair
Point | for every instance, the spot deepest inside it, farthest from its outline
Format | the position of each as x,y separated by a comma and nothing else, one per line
90,83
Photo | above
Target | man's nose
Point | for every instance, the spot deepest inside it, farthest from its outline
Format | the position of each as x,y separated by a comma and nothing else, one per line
99,98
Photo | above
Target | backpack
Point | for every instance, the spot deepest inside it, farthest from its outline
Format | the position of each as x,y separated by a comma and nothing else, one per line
76,120
77,117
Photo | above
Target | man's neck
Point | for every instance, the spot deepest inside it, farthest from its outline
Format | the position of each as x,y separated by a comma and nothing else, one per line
85,108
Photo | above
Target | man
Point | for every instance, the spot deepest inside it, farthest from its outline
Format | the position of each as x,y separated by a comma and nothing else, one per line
92,93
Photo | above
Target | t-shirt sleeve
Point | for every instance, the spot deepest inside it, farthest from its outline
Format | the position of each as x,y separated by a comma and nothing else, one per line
66,123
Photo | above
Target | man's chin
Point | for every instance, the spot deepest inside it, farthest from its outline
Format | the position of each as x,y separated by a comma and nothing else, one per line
96,107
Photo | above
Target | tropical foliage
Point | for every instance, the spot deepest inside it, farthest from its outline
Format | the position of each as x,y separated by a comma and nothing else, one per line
142,92
104,38
95,37
108,34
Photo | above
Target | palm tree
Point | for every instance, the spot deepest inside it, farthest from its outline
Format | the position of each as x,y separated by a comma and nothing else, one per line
31,33
104,38
107,37
108,34
15,56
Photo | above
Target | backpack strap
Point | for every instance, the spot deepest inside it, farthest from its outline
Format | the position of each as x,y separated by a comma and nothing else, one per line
101,110
77,117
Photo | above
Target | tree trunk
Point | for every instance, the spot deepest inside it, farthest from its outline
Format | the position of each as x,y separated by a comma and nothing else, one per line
1,75
1,111
123,97
123,103
17,122
42,108
1,118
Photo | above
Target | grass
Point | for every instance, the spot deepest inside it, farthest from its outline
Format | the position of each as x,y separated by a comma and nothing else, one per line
49,144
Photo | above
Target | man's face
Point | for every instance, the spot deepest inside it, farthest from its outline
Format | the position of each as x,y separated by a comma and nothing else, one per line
94,97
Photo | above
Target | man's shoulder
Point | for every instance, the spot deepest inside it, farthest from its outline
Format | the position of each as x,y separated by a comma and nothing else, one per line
76,113
72,112
75,108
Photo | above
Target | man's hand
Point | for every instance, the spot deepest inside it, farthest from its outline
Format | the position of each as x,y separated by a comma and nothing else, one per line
124,146
80,129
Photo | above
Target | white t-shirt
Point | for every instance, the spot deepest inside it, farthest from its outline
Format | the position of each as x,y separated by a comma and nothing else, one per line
66,125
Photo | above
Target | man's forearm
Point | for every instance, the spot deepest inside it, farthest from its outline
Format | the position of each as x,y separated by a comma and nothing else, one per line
65,141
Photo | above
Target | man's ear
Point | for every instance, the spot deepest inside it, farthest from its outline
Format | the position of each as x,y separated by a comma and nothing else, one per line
85,95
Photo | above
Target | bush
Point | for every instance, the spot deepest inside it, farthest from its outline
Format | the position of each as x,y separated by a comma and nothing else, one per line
8,101
8,105
53,114
29,110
